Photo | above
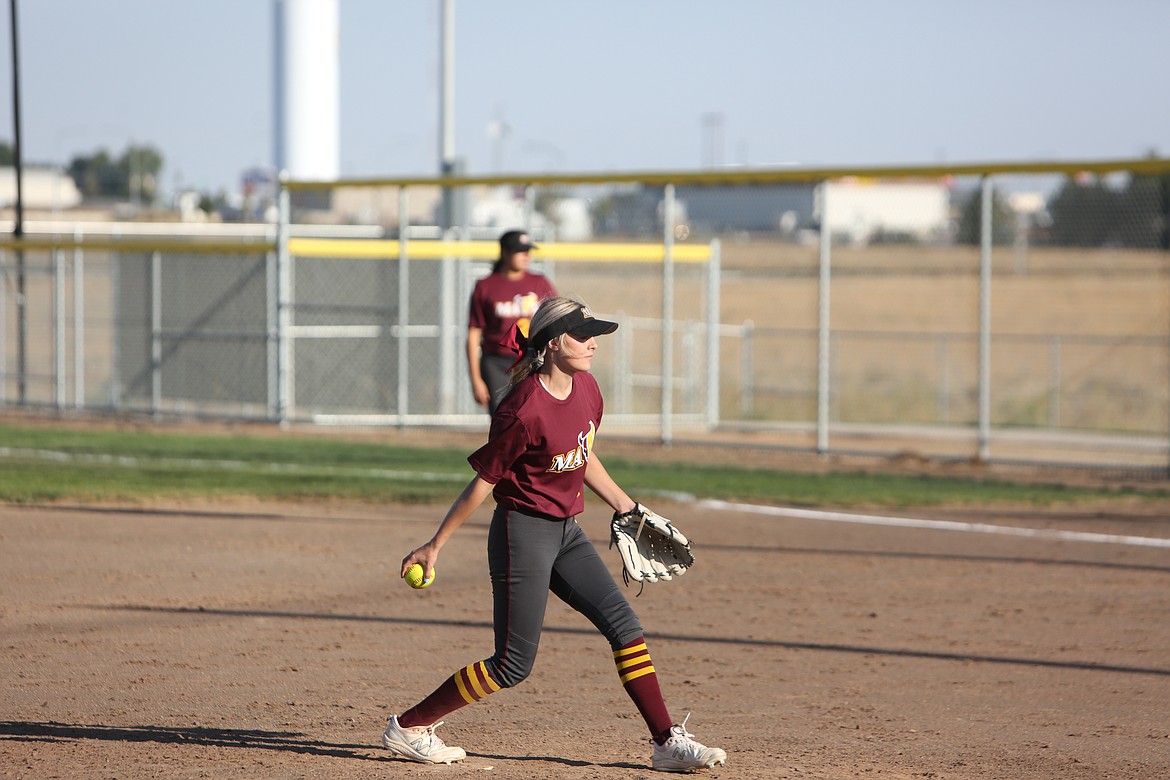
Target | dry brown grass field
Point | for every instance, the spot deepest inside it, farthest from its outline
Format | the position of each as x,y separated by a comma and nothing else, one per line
1058,291
906,321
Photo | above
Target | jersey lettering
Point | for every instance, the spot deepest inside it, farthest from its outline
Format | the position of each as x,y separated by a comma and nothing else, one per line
519,306
576,457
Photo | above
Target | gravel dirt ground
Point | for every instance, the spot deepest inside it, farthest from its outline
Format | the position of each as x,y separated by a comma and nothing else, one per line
248,639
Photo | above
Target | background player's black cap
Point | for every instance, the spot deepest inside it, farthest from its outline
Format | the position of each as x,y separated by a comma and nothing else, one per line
516,241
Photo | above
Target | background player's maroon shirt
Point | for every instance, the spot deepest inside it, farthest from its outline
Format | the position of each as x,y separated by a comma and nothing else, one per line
498,303
539,446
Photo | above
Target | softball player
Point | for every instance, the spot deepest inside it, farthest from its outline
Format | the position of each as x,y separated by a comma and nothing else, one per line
538,459
502,299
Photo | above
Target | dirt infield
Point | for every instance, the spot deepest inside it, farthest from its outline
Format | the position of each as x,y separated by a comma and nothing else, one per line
263,640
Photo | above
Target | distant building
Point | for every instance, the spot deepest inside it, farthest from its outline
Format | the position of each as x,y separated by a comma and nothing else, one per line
755,208
860,210
864,210
42,189
635,210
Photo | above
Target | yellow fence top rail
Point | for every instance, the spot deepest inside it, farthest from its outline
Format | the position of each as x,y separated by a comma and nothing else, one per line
102,244
490,250
357,248
1150,166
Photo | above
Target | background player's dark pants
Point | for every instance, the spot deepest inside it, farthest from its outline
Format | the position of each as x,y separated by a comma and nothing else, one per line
494,370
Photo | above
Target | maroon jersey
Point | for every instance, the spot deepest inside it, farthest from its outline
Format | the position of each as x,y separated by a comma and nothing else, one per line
499,303
539,446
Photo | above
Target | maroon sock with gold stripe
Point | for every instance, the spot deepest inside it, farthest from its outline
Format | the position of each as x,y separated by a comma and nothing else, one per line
466,686
641,682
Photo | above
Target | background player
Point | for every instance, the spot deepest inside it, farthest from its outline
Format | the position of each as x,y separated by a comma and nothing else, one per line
536,463
504,298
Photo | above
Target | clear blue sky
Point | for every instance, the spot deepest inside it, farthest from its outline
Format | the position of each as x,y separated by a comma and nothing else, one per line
606,85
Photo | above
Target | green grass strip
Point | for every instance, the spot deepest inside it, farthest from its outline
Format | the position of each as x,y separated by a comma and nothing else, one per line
39,464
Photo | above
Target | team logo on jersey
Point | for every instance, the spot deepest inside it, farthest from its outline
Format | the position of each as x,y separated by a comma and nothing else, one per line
577,457
519,306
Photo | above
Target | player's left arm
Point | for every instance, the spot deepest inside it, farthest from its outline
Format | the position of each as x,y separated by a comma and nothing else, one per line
600,482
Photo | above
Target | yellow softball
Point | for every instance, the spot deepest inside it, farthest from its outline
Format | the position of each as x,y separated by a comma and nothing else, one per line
416,578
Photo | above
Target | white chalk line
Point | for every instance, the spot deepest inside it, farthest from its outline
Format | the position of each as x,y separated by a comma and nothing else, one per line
938,525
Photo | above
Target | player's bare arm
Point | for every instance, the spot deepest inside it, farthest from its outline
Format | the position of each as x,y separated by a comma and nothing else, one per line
600,482
479,388
468,501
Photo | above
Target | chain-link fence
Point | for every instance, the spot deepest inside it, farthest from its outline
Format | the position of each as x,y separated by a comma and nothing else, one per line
136,326
398,309
1006,313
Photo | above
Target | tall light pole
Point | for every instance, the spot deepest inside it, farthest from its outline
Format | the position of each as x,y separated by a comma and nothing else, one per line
18,229
447,100
712,140
447,106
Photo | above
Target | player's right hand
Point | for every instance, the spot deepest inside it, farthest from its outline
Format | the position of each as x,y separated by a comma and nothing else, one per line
480,390
424,556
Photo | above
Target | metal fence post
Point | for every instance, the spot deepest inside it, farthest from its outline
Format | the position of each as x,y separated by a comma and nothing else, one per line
115,393
1164,193
713,373
78,323
403,307
283,347
155,332
3,330
985,321
447,336
667,314
825,260
59,375
270,315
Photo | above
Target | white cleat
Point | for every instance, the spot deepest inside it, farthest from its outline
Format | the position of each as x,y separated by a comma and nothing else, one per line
420,744
680,753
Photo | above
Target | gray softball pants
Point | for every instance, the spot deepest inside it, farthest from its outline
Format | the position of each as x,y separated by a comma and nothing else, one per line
530,556
494,370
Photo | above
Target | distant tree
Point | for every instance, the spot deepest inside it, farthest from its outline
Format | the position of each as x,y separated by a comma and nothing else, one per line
7,154
93,175
1091,213
133,175
1003,221
210,204
1083,214
1145,213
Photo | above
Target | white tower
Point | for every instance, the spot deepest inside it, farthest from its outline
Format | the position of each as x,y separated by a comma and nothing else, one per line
307,102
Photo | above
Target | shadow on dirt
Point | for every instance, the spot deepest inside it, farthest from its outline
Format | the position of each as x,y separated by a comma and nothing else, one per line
290,741
285,741
1089,666
893,554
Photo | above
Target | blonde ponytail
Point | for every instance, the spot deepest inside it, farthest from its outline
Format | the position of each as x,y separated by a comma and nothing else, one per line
549,311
